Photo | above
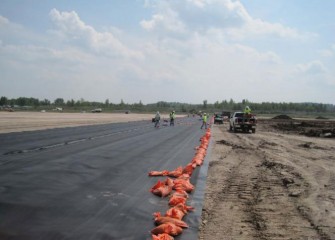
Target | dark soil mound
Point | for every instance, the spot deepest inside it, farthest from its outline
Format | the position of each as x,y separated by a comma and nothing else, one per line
282,117
320,117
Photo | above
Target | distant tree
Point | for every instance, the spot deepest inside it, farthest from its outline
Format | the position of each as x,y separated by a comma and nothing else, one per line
3,101
70,103
22,101
217,105
45,102
204,104
183,108
59,101
107,102
162,104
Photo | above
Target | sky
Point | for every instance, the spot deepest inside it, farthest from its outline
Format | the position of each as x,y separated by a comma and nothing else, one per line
168,50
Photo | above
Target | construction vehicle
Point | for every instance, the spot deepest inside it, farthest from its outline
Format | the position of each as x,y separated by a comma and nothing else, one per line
242,121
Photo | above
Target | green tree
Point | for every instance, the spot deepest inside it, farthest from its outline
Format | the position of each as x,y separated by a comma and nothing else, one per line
45,102
59,101
70,103
3,101
22,101
204,103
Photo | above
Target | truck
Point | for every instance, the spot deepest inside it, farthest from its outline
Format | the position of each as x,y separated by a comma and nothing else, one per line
242,121
97,110
218,118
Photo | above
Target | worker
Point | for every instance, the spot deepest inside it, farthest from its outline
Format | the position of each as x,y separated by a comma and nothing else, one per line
247,113
204,121
157,119
172,117
247,110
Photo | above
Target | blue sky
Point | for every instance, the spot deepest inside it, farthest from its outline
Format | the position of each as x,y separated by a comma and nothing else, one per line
174,50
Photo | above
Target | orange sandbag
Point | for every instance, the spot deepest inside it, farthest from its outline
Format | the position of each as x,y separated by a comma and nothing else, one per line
184,176
161,189
175,213
197,160
180,193
175,200
188,169
183,207
163,236
169,182
168,228
182,184
176,173
160,220
158,173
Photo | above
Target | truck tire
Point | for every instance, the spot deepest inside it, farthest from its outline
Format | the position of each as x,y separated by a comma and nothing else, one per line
234,129
253,130
230,128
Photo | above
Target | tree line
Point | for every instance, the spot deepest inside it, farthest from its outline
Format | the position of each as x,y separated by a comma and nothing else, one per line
25,103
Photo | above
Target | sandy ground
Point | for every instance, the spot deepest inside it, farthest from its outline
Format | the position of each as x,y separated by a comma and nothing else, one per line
269,185
30,121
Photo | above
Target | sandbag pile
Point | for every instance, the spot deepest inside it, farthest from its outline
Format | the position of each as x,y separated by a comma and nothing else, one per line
177,187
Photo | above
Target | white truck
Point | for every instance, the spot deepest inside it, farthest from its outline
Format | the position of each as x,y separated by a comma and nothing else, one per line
244,122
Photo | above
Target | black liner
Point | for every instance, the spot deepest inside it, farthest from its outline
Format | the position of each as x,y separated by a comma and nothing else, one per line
94,189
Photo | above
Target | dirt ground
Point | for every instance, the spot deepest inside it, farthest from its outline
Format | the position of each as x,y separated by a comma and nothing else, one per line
30,121
275,184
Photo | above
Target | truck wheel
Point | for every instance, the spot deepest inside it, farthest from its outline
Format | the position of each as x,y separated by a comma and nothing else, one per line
253,130
234,129
230,128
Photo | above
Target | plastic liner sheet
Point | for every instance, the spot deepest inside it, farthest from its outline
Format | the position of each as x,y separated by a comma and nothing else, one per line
97,189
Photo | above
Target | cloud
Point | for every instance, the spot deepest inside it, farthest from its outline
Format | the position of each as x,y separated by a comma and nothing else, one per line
326,53
72,29
312,68
3,21
228,16
254,55
11,32
188,54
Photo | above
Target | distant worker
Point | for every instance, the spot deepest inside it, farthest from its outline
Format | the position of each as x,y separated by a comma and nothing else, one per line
247,113
204,121
172,118
247,110
157,119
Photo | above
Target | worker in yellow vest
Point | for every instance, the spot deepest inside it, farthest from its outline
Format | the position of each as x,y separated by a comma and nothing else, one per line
247,110
204,121
247,113
172,118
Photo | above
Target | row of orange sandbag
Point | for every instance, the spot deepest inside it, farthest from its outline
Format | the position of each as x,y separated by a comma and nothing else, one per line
171,223
197,160
164,188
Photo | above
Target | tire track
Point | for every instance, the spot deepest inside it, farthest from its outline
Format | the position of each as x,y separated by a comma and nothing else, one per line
252,201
